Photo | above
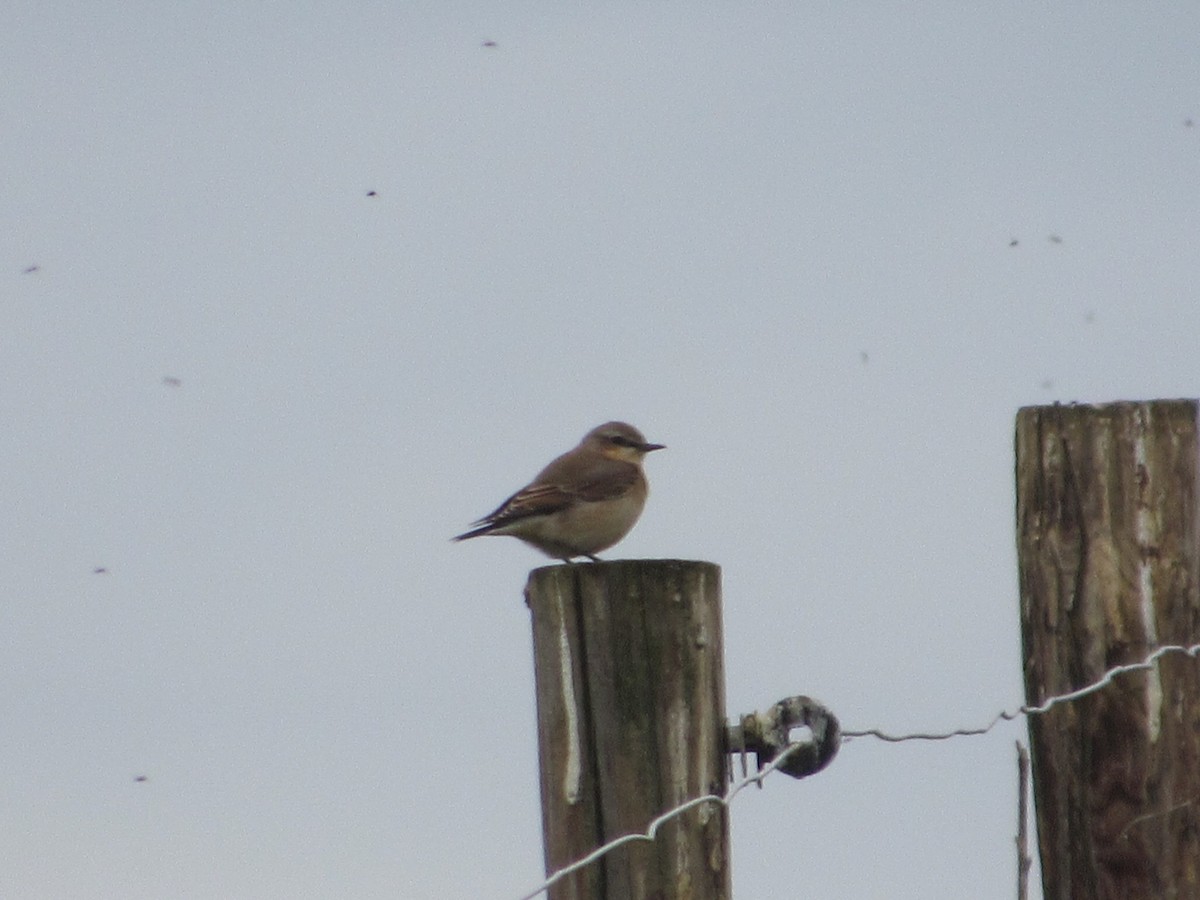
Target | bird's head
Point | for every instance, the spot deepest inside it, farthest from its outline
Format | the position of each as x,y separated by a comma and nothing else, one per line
617,440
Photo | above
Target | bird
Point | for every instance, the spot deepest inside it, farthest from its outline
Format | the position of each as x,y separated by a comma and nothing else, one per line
585,501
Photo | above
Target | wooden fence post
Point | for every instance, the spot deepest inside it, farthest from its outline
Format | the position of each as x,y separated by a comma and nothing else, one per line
1109,560
628,662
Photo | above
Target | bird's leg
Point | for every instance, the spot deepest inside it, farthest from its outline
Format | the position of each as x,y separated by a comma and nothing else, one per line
593,557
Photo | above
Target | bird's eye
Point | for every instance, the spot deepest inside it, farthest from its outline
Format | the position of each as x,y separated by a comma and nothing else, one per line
621,441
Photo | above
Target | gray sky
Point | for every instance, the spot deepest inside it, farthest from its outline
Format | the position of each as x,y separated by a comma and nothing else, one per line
696,217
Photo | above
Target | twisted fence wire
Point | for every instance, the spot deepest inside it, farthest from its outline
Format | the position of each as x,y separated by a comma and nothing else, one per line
757,778
652,830
1008,715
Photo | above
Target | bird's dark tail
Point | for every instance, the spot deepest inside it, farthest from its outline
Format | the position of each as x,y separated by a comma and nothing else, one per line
474,532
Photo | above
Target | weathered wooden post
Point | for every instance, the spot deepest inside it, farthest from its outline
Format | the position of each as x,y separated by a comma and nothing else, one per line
629,671
1109,559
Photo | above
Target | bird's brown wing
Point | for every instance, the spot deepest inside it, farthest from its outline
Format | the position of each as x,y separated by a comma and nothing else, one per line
535,500
602,479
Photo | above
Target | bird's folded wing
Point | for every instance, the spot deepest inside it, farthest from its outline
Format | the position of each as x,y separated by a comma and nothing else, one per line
600,482
535,500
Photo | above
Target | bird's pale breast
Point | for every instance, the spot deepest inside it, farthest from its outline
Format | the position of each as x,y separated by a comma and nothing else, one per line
582,528
598,525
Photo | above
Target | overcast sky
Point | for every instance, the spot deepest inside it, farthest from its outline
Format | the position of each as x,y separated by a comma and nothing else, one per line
823,251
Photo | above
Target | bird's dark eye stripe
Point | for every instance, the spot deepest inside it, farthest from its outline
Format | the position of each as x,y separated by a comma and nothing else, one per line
623,441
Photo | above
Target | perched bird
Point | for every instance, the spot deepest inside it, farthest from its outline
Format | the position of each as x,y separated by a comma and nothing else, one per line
583,502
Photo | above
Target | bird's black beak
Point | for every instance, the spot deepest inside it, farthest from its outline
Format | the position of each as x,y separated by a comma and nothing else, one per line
646,448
